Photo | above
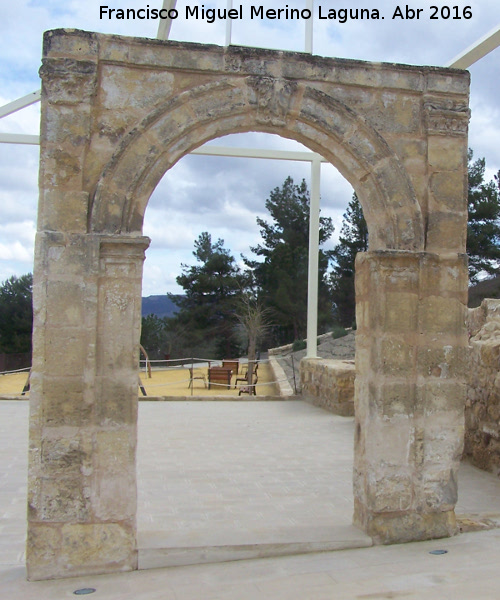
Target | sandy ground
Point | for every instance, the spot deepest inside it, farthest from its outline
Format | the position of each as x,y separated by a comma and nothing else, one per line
168,382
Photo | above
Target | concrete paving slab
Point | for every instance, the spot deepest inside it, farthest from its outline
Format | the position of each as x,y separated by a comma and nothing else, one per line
250,473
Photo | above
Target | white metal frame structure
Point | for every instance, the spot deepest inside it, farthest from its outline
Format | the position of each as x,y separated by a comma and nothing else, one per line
464,60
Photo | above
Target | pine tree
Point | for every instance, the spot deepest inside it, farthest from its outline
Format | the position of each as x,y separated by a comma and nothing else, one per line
281,276
483,228
353,239
16,314
212,289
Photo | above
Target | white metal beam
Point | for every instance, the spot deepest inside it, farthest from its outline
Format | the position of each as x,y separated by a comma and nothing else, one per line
165,24
15,105
305,156
19,138
207,150
477,51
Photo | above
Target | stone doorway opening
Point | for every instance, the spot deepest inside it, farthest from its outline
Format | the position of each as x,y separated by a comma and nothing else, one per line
201,500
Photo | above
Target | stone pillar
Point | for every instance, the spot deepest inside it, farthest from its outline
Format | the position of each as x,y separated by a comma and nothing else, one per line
83,405
409,399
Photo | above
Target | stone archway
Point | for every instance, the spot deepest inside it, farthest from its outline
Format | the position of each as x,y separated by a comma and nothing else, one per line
116,114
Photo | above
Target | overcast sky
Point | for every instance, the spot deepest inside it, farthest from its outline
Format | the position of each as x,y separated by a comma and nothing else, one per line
192,196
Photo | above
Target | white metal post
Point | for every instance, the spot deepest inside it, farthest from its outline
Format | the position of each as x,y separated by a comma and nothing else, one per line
308,42
229,23
313,268
166,24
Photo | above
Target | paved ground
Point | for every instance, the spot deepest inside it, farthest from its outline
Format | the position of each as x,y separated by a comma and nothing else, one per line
253,473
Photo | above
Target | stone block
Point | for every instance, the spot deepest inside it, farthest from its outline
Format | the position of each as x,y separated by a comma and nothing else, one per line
444,154
64,454
115,449
117,398
66,351
443,441
320,109
120,93
389,444
42,551
449,276
401,311
447,231
68,81
398,528
392,112
449,189
62,170
65,402
490,353
65,304
67,257
395,398
450,82
61,500
115,497
91,548
442,315
440,489
443,362
394,357
72,43
389,492
442,397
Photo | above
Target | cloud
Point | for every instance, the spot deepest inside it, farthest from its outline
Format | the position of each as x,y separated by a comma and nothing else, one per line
15,252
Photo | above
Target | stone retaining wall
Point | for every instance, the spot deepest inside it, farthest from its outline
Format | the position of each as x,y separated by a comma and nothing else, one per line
329,384
482,410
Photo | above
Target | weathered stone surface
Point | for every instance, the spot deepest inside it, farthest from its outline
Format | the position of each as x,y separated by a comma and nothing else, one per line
71,549
482,412
406,526
116,114
410,393
329,384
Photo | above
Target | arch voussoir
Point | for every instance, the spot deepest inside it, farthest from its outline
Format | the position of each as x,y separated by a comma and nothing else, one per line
268,104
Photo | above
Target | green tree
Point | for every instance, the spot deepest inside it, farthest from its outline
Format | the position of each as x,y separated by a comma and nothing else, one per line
483,228
281,276
483,238
164,337
154,336
211,288
16,314
353,238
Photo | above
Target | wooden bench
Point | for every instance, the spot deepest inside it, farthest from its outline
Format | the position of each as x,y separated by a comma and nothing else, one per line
220,375
231,363
249,389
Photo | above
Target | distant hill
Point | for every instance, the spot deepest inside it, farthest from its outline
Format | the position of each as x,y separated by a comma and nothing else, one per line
161,306
488,288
